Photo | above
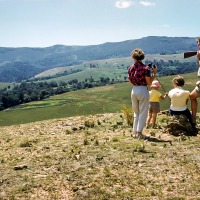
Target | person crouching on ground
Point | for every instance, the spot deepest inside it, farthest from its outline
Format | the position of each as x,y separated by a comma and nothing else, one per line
140,77
154,105
179,99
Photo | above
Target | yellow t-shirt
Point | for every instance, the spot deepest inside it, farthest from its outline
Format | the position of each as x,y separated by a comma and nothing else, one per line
154,95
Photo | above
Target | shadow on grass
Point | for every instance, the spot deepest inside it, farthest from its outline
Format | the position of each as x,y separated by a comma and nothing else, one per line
154,139
151,139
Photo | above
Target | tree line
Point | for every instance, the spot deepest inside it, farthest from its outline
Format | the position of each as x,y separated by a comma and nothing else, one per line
32,90
35,91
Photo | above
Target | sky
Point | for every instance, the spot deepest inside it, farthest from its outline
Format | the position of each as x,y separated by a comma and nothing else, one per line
44,23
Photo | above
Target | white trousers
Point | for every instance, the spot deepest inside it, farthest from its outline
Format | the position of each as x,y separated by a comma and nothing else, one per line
140,105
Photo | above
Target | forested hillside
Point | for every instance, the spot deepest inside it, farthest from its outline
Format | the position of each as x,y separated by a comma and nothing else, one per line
89,75
17,64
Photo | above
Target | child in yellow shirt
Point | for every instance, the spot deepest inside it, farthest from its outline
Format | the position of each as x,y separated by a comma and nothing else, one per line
154,106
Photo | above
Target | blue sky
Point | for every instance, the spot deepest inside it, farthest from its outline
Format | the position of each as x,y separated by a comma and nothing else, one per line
43,23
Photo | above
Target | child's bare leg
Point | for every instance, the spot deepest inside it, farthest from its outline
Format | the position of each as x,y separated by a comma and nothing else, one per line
154,119
148,118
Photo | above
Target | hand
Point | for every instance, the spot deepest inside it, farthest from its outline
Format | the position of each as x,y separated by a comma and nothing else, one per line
166,94
155,69
198,44
198,55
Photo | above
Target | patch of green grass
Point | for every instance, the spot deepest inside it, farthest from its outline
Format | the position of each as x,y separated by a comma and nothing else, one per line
114,68
6,85
106,99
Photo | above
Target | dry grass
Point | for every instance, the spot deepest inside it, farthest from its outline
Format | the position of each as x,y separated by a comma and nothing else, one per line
70,159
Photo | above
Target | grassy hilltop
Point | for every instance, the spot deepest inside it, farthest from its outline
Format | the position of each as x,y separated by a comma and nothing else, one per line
61,149
78,145
95,158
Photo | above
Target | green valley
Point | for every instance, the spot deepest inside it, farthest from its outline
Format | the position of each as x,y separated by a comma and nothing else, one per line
105,99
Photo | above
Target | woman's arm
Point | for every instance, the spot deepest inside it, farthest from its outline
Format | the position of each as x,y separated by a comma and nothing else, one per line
150,79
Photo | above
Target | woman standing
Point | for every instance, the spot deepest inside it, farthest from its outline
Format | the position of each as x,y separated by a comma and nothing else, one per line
140,77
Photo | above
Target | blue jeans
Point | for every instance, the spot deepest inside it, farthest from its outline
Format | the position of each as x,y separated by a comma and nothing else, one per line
184,112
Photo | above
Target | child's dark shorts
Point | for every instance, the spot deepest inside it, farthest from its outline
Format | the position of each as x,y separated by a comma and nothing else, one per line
154,107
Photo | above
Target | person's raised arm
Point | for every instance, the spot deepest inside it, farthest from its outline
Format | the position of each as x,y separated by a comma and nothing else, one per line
198,53
163,97
150,79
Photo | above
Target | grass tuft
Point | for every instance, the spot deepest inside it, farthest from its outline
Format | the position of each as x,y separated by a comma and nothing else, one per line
128,115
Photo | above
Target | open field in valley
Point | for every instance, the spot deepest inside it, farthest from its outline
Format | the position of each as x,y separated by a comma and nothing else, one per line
106,99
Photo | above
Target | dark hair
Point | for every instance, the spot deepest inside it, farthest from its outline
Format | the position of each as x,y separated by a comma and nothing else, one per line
137,54
179,81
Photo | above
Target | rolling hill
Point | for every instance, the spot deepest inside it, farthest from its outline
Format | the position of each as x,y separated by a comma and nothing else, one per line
17,64
113,68
77,145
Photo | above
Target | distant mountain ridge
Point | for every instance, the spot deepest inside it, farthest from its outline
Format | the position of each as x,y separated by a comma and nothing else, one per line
17,64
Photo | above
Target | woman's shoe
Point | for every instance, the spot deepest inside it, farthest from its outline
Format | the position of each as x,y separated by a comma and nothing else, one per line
140,136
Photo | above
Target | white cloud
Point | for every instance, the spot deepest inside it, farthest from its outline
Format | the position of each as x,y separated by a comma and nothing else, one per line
147,3
123,3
